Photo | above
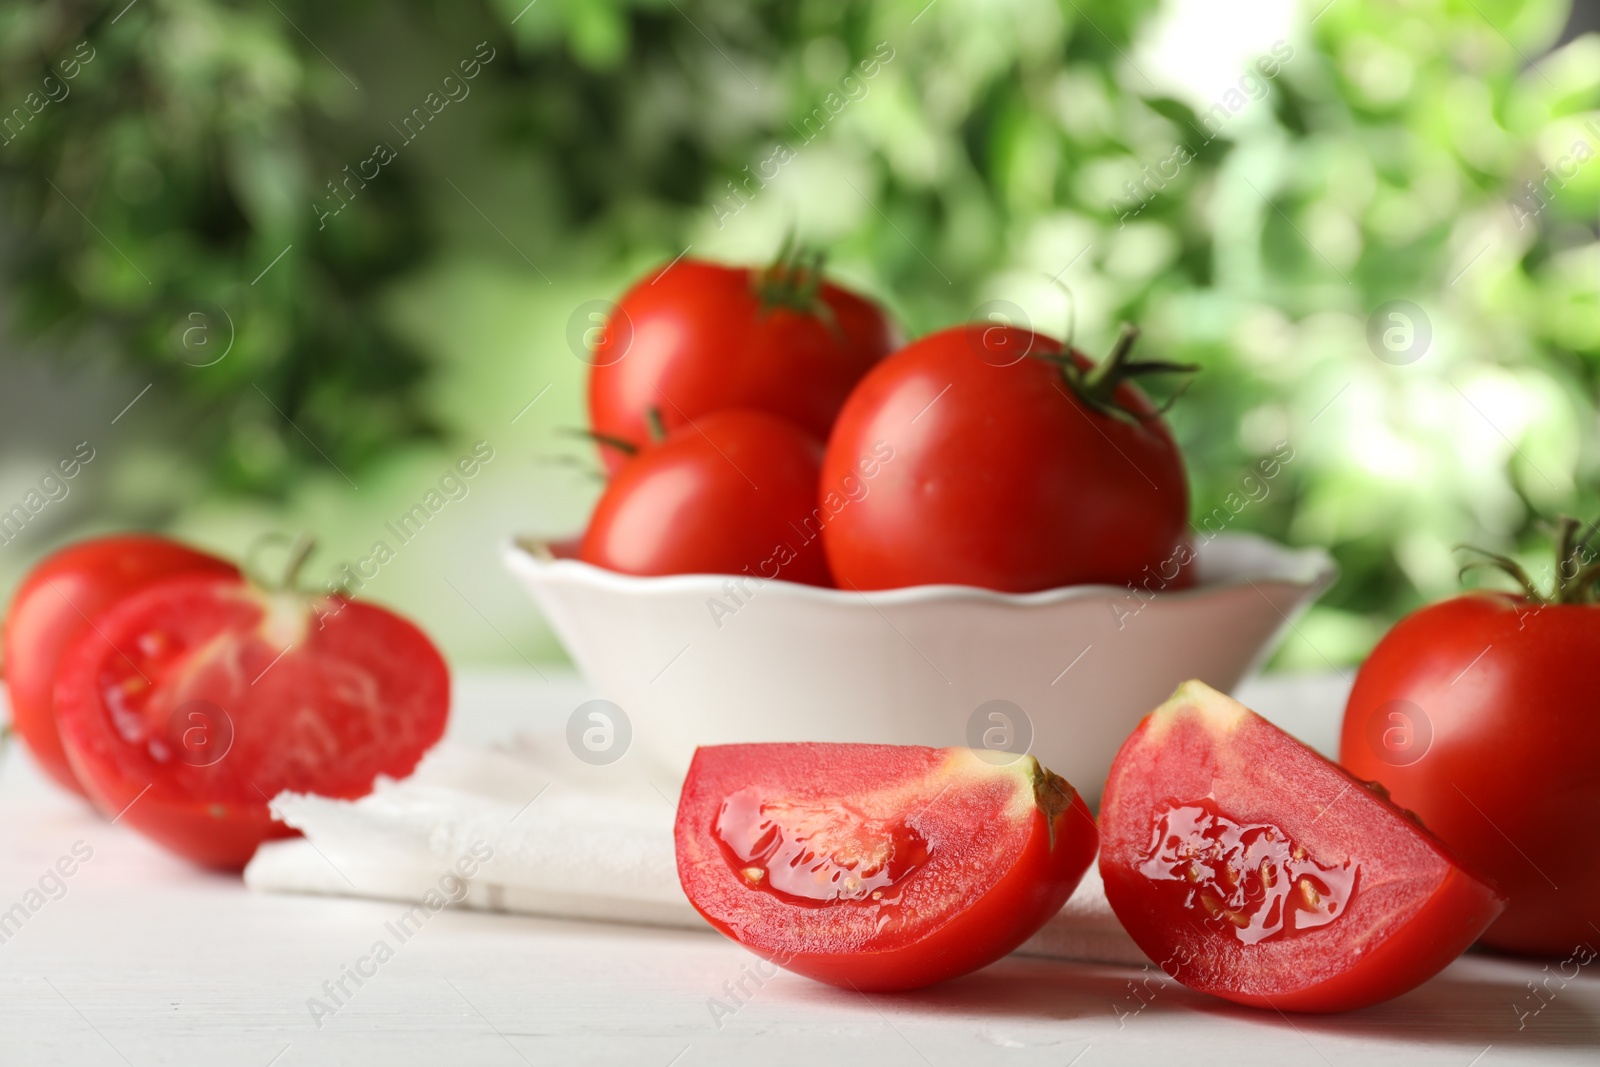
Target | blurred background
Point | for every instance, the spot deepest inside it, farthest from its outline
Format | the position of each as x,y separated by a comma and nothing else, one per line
277,265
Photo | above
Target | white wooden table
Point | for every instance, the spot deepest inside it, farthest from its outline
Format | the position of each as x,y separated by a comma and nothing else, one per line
144,960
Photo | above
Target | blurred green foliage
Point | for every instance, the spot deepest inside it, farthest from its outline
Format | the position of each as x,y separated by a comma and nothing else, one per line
1251,223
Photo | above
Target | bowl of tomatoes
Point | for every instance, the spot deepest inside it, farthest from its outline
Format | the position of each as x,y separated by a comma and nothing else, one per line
1064,674
811,532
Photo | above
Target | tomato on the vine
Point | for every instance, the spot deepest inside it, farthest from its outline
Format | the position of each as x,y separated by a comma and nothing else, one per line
53,607
1018,466
695,337
1479,714
194,701
734,492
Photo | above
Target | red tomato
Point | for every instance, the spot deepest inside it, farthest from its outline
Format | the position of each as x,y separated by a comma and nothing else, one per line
1479,715
54,605
1009,471
733,493
697,337
880,867
196,700
1254,869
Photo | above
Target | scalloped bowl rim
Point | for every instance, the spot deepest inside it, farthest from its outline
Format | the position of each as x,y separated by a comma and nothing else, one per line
1310,567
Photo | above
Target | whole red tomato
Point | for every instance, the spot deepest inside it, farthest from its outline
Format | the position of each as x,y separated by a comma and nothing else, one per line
1016,466
53,607
196,700
1480,715
697,336
733,493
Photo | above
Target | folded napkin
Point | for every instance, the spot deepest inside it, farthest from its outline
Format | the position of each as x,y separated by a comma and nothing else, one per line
523,827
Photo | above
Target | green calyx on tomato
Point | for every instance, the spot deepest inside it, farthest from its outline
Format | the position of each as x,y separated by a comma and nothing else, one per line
793,280
1577,568
300,548
1096,385
655,424
1053,795
625,449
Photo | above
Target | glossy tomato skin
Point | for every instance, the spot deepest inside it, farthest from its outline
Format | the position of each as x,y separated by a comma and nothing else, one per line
54,605
695,337
1497,748
1206,797
1005,846
1002,478
200,699
734,493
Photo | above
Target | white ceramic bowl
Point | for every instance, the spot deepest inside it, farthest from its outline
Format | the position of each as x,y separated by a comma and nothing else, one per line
695,660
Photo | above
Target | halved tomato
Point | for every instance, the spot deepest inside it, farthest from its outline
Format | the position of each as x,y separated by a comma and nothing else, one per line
1252,868
880,867
54,605
192,703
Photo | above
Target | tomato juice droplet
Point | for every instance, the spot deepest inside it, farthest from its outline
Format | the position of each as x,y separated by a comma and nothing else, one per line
816,853
1247,877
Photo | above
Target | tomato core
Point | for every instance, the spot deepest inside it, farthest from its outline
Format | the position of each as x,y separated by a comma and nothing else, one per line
1247,877
816,854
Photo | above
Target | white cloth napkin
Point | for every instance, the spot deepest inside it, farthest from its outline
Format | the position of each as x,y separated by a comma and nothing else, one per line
515,829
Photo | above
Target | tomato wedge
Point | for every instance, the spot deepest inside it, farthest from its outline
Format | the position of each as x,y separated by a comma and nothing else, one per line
194,701
879,867
1254,869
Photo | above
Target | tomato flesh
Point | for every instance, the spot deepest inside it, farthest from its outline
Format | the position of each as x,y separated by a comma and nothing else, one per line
1252,868
880,867
197,700
53,607
1249,879
816,853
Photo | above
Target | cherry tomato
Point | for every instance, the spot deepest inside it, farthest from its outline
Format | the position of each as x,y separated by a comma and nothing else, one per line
1250,867
194,701
54,605
733,493
1015,468
1479,715
697,336
880,867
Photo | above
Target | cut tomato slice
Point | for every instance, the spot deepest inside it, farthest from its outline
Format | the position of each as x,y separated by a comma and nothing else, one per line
1252,868
880,867
193,702
53,607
